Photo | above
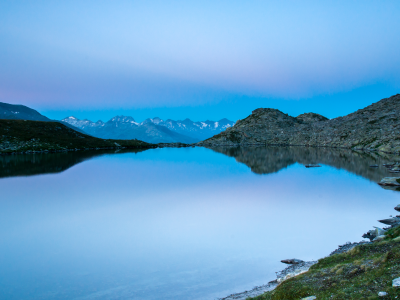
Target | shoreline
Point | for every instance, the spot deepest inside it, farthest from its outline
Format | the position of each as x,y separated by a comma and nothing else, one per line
182,145
288,272
298,267
155,146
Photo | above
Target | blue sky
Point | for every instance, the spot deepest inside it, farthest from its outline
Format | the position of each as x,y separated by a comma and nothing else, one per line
197,59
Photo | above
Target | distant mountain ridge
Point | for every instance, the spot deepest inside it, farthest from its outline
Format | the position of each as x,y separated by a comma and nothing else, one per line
153,130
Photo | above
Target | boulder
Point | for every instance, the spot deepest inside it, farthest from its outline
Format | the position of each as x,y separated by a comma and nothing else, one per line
309,298
397,207
391,221
379,238
391,181
292,261
382,294
396,282
374,233
312,166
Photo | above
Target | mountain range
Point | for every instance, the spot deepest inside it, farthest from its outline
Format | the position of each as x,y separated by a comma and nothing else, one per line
153,130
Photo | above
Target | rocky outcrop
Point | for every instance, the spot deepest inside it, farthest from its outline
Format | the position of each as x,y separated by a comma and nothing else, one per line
372,234
292,261
311,118
375,127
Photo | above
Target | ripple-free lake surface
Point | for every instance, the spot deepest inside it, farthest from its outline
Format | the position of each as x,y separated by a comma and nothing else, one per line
187,223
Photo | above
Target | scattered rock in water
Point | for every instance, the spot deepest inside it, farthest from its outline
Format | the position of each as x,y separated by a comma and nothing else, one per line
388,165
391,221
396,282
382,294
397,207
312,166
292,261
391,188
373,166
390,181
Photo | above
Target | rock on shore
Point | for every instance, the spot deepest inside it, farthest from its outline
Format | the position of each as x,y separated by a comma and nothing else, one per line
372,128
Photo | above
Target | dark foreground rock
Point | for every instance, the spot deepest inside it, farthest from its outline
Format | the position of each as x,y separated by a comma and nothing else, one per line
372,128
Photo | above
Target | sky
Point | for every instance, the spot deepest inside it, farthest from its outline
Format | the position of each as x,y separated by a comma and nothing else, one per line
197,59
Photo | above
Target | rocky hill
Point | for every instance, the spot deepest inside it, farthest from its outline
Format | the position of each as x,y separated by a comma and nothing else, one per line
375,127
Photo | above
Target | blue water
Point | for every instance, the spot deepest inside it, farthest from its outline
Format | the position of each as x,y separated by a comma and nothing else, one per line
187,223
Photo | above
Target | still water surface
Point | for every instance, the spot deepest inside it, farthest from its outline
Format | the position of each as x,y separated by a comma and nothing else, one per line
188,223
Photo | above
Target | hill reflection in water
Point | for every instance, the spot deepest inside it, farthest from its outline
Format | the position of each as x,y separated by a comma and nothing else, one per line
49,163
266,160
261,160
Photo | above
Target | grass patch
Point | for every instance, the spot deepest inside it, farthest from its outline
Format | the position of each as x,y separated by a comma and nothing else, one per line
359,273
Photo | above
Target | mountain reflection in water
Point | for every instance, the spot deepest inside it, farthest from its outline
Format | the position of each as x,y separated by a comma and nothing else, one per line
261,160
267,160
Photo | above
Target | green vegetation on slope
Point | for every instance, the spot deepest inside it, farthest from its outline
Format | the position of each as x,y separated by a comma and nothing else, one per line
359,273
22,136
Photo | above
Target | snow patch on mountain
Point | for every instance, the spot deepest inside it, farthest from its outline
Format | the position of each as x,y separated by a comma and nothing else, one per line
153,129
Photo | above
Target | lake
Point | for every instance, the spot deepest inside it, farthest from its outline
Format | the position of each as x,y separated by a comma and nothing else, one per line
178,223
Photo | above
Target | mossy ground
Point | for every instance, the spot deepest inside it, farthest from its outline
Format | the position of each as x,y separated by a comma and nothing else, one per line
359,273
21,136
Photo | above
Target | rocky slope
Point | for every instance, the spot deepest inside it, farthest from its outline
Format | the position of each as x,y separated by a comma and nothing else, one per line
153,130
375,127
34,136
